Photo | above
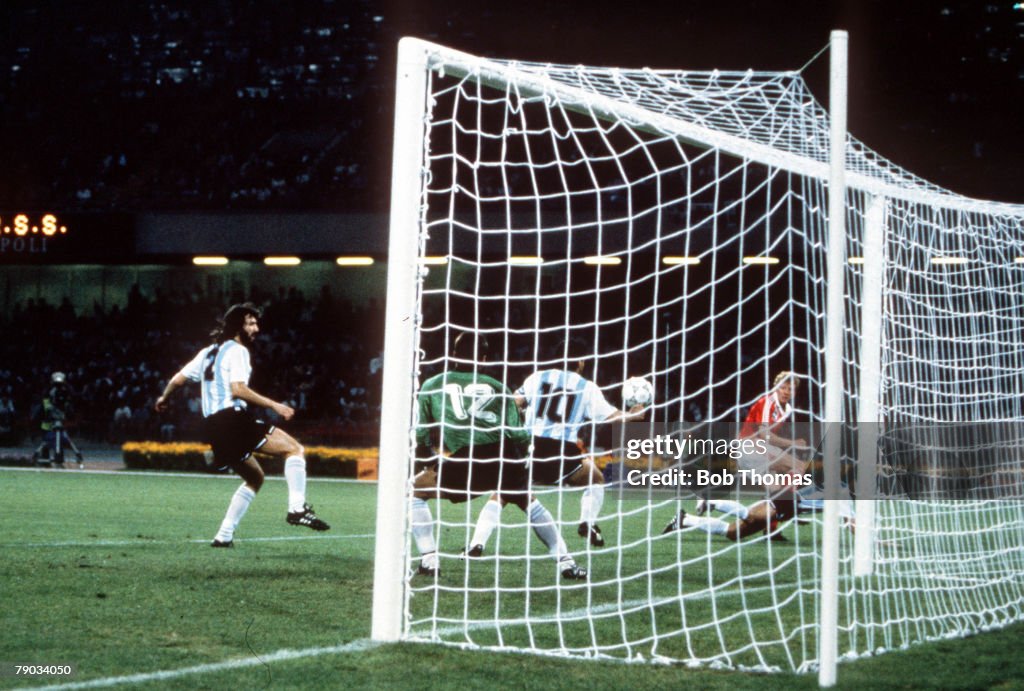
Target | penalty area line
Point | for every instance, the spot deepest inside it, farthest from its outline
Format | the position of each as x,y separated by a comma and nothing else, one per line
142,542
123,472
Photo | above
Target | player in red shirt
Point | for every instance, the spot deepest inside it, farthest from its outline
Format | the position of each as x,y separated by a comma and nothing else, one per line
765,421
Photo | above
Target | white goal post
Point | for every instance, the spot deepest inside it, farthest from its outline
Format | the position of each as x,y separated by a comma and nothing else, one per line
705,231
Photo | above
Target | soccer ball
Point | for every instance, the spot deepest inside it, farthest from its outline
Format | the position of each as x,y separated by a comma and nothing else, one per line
637,391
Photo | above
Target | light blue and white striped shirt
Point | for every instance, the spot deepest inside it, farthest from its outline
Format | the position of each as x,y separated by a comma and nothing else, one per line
559,403
216,367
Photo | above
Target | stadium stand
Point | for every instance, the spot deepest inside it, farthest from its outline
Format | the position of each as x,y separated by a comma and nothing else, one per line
118,358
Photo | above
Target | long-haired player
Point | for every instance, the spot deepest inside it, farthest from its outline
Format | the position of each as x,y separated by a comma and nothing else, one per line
223,369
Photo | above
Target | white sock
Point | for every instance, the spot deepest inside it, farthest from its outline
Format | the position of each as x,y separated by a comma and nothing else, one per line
295,476
728,506
543,524
423,526
590,503
490,515
430,561
236,509
715,526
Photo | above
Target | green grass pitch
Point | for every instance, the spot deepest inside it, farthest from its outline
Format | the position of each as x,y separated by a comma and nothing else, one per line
112,572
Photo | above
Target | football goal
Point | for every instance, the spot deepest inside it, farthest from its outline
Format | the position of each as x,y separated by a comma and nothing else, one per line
704,231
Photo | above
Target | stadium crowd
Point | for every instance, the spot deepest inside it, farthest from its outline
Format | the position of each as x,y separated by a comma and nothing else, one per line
185,105
197,105
117,360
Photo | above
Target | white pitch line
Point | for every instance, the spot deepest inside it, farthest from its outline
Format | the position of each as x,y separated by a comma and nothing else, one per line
142,542
171,474
356,646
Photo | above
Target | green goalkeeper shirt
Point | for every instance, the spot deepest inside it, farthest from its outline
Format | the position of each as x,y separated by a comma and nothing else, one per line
463,408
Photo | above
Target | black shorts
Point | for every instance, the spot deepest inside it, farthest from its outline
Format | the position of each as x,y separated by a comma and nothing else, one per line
234,435
492,468
554,460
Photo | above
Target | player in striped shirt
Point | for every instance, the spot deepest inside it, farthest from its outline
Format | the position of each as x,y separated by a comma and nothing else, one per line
560,405
223,369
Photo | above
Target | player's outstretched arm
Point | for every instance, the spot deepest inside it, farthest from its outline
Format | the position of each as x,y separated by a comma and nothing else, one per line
242,391
637,412
176,382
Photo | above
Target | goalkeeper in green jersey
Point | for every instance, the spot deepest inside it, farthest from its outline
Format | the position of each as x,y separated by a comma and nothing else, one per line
470,440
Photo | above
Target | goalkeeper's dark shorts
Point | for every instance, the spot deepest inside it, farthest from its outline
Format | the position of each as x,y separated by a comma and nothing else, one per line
234,436
491,468
554,460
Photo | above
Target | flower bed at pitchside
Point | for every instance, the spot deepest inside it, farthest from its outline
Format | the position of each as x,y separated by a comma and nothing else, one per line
321,461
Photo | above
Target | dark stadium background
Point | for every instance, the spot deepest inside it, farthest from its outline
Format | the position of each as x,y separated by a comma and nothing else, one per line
161,130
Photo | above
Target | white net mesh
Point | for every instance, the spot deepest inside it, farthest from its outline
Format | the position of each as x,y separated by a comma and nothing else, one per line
676,223
949,555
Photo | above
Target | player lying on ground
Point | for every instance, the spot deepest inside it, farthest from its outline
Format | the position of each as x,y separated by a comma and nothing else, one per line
223,369
749,521
559,404
470,441
761,517
766,420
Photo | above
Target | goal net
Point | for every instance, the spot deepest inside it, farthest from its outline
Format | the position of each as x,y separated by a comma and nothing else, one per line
676,223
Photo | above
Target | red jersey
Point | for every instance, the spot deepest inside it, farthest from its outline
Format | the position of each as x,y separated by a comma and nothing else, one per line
766,414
